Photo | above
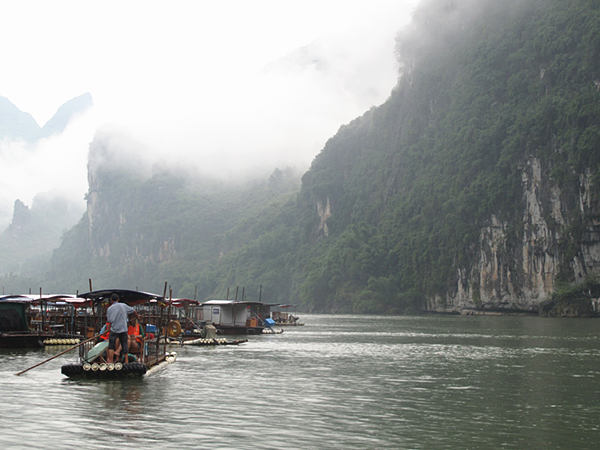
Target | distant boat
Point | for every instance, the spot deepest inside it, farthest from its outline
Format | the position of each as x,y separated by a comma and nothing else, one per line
209,342
229,317
285,318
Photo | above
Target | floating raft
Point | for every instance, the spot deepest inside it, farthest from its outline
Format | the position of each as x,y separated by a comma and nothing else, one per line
116,370
62,341
272,331
205,341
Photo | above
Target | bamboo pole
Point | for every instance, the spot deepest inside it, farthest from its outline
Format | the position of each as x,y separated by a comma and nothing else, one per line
57,355
160,320
42,311
168,318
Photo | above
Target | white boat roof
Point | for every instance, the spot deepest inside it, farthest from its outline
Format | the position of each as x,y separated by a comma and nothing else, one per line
233,302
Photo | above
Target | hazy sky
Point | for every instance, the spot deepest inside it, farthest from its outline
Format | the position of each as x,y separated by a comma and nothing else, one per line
228,85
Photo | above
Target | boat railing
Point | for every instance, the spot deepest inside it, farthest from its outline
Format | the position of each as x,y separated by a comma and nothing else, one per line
85,348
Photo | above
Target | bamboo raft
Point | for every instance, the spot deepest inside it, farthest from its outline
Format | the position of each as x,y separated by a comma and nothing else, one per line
116,370
208,342
272,331
61,341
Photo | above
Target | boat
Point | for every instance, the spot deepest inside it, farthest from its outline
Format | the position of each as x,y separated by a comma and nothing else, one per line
232,317
32,322
153,310
206,336
285,318
208,342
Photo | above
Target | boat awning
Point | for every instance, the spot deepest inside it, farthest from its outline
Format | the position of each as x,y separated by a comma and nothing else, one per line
17,299
55,299
125,296
234,302
180,302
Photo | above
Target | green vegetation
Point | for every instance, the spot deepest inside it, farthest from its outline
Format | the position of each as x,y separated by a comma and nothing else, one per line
410,184
572,300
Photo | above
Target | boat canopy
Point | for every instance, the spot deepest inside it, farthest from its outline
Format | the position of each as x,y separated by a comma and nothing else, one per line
235,302
16,299
180,302
56,299
125,296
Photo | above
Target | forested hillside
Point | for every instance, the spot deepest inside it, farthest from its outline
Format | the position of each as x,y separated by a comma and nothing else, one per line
146,224
476,185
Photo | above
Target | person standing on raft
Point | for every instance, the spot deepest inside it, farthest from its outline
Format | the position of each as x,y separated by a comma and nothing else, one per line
116,317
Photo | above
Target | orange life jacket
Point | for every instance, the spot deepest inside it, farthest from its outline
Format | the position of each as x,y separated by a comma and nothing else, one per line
106,333
135,331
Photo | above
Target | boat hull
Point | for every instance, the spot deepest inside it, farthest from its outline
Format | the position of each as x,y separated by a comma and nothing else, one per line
109,371
128,370
235,330
22,340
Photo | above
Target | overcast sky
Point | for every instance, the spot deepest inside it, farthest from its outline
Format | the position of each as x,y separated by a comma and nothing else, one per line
230,85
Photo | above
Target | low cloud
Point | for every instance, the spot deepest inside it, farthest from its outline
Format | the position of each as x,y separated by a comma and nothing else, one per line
51,167
231,89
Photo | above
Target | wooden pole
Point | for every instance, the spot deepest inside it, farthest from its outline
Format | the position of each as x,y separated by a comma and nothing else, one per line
90,280
57,355
160,324
168,318
42,311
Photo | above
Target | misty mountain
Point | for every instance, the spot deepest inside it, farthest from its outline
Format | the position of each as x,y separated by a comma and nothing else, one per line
145,225
18,125
35,232
474,186
61,118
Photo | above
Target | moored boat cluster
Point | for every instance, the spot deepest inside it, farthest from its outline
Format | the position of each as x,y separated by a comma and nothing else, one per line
156,324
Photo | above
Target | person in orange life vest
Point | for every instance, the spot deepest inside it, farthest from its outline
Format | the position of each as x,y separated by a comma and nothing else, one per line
116,315
105,331
135,334
104,335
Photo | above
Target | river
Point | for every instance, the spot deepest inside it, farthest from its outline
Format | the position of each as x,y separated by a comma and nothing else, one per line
337,382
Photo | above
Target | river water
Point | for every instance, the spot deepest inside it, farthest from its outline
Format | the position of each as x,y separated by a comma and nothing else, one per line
338,382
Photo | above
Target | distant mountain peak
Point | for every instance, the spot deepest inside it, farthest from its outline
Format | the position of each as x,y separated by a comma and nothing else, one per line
18,125
66,113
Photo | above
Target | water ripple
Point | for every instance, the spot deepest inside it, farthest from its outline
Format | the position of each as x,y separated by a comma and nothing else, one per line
338,382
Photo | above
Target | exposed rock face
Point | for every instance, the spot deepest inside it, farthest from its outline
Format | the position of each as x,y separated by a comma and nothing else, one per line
517,270
113,209
324,212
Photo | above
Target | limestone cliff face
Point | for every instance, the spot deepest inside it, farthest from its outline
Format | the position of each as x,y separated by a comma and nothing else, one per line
518,263
116,220
324,212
